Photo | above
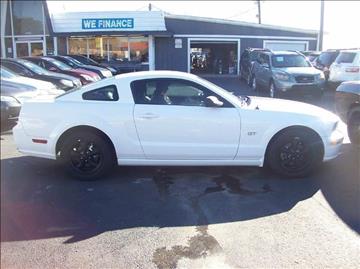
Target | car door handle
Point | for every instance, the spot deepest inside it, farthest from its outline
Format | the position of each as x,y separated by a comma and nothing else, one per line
148,116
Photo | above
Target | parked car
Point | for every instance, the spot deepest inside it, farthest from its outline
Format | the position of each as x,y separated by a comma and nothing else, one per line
325,60
100,71
28,69
43,87
346,67
287,74
247,59
15,90
88,61
53,65
347,100
174,118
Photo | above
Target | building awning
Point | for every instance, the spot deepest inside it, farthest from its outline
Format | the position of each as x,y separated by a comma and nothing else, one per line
107,23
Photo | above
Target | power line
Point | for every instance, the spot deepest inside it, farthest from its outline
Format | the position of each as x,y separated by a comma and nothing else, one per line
241,13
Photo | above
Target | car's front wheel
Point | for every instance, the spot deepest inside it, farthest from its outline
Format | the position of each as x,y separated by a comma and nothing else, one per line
295,152
253,83
87,155
272,90
354,128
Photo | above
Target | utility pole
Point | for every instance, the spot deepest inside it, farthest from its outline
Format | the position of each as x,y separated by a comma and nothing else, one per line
259,11
150,7
321,33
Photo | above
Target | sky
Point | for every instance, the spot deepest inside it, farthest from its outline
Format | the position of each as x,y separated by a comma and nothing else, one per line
341,19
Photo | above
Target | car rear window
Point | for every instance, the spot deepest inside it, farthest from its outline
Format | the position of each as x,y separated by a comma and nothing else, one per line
346,57
107,93
327,58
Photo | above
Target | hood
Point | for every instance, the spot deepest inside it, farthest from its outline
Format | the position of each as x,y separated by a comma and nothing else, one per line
84,72
59,76
299,70
293,107
38,84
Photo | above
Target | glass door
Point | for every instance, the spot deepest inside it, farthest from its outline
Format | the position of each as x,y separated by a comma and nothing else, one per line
22,49
29,48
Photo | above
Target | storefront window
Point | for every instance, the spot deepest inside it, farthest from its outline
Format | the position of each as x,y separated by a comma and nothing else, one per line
118,48
96,49
139,49
77,46
27,17
115,47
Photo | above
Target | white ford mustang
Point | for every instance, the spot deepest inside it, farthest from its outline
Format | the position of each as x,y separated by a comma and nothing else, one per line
173,118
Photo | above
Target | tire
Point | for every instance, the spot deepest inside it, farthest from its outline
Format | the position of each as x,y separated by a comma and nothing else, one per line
253,83
87,156
353,128
295,153
272,90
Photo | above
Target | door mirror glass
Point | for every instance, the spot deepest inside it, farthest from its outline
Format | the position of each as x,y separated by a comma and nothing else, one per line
213,101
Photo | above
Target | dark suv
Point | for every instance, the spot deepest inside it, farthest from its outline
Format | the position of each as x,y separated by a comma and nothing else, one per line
247,59
286,74
324,60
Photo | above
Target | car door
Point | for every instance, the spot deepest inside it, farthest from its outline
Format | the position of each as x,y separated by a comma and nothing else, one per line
173,122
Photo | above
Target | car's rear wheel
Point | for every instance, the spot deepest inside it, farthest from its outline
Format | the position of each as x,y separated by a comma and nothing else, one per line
295,152
354,128
87,156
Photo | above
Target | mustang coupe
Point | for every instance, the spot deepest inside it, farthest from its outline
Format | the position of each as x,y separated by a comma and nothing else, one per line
174,118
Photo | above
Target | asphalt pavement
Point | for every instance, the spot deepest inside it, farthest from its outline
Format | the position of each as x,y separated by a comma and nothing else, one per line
179,217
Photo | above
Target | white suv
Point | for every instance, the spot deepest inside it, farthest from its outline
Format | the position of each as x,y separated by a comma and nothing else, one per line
346,66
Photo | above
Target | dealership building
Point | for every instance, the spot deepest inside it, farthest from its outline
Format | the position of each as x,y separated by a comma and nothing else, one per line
149,40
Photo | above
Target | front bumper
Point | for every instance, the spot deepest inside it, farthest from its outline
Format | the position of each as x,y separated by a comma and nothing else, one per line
333,145
291,89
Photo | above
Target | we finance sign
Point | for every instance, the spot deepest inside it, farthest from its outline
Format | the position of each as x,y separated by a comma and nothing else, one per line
113,23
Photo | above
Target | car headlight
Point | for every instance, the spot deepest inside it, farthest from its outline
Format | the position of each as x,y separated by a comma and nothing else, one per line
9,99
87,77
281,76
106,73
67,83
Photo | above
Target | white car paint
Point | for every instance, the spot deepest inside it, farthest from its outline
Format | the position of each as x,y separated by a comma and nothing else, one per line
172,135
341,71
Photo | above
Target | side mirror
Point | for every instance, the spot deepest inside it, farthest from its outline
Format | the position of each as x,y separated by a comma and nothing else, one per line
213,101
265,65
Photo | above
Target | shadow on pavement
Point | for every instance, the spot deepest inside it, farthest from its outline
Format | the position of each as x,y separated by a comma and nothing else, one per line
38,201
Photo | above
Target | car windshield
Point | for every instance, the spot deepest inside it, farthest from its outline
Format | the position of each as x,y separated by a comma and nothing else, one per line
289,61
345,57
327,57
73,60
7,74
60,65
35,68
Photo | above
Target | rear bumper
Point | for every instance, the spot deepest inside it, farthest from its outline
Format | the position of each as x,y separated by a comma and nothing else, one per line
25,144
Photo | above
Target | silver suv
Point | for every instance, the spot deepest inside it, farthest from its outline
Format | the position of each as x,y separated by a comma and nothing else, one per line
287,74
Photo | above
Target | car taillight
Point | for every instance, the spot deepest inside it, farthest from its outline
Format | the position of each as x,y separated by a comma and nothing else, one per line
352,69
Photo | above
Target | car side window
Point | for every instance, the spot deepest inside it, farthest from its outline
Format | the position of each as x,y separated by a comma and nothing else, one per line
107,93
18,69
171,92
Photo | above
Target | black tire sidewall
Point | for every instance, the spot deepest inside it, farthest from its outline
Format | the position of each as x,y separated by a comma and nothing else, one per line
313,142
107,153
353,123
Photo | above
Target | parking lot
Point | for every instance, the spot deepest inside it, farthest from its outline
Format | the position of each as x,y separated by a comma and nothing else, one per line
180,217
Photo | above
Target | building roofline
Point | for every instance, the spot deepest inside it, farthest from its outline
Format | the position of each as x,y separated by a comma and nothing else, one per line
239,23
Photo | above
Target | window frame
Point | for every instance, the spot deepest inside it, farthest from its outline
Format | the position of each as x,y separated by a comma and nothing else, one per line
97,89
227,104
